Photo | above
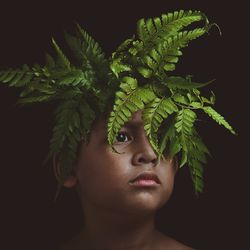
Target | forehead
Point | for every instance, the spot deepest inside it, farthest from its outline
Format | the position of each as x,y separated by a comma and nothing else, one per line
137,116
134,122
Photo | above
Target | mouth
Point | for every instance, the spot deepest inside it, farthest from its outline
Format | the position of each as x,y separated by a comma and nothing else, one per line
145,179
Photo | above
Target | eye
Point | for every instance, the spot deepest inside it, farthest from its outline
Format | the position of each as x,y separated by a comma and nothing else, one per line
121,136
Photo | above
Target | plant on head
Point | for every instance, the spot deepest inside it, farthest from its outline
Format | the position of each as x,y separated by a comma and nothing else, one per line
138,76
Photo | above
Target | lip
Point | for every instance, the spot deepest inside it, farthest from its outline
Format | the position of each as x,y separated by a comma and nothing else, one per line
145,179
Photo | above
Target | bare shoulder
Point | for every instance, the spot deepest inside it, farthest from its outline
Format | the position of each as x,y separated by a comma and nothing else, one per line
166,242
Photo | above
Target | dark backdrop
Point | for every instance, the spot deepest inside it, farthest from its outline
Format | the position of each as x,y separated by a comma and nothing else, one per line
30,218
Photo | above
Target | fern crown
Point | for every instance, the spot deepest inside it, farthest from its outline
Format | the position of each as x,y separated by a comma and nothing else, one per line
138,76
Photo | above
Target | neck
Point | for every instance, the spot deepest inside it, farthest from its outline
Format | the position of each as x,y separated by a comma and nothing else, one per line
110,231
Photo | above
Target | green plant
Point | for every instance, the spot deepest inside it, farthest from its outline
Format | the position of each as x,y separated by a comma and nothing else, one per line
138,76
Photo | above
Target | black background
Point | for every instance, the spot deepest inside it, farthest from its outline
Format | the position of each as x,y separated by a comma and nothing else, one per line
214,221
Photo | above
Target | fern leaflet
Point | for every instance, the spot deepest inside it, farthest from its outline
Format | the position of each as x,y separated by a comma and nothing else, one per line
218,118
62,61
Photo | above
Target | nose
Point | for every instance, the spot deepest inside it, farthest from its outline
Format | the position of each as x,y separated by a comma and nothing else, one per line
144,154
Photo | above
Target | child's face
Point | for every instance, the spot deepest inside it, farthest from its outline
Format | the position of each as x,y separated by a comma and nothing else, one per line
103,177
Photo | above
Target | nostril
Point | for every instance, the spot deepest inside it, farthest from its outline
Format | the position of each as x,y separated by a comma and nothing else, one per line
143,160
155,161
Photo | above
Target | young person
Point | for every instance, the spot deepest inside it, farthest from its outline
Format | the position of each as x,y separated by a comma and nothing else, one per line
121,184
119,212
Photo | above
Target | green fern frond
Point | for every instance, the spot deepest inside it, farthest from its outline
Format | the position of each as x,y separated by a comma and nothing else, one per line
36,81
184,126
128,101
153,115
87,117
181,39
157,29
34,99
145,72
199,154
174,22
90,41
92,48
166,54
66,161
180,98
136,48
18,77
177,82
196,157
117,67
49,62
63,125
78,78
128,84
184,121
26,76
94,58
8,75
159,89
66,93
193,151
169,140
62,61
122,113
145,94
69,131
218,118
72,125
123,47
156,112
86,51
196,172
78,48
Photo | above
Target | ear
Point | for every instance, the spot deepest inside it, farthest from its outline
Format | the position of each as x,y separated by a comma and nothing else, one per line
71,180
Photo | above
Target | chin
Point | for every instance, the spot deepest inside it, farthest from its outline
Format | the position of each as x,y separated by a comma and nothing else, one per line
144,203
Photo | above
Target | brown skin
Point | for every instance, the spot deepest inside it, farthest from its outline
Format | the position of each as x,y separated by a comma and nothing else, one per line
119,216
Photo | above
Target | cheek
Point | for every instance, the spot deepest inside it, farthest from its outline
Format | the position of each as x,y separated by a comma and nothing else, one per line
168,175
100,177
